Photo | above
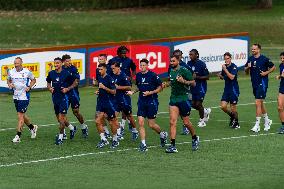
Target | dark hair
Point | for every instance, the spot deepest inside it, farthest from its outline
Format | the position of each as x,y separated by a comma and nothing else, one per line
116,64
175,56
122,49
144,60
102,65
19,58
177,52
258,45
65,57
104,55
228,54
58,58
195,51
282,54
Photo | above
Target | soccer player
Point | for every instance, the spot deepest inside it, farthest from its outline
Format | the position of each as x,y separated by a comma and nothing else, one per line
281,94
58,83
122,99
178,53
259,67
106,106
231,90
129,68
180,79
73,95
200,75
21,81
149,85
102,59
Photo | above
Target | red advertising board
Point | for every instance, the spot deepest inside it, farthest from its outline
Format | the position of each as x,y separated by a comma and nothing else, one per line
157,54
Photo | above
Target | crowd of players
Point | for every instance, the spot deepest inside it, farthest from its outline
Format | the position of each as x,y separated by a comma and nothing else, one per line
114,79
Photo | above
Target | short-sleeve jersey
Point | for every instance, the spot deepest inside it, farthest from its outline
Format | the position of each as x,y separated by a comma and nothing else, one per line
231,85
107,81
75,75
126,64
21,80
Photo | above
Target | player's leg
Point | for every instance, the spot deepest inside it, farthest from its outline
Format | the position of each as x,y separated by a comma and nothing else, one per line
281,112
80,118
200,108
100,116
224,108
141,123
21,107
62,122
33,128
135,132
235,116
114,126
267,121
174,114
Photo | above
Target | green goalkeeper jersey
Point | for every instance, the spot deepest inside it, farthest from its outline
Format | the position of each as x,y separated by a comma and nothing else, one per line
179,90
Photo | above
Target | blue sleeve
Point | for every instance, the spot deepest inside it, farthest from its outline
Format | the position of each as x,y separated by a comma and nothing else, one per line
223,73
76,73
97,74
111,84
234,71
132,66
205,70
157,80
269,63
48,78
125,82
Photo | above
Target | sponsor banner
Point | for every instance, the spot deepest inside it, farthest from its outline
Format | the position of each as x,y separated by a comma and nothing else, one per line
211,51
157,54
40,63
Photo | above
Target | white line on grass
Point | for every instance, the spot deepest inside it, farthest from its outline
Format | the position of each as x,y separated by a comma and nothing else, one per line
89,120
123,150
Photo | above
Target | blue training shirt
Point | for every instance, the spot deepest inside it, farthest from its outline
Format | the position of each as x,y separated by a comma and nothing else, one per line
121,80
258,65
147,82
104,96
126,64
281,68
109,72
231,85
199,68
75,75
58,82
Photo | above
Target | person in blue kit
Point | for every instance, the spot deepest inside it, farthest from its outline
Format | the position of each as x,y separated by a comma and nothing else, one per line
58,83
106,107
201,75
73,95
148,85
102,59
178,53
122,99
259,68
281,93
231,92
129,68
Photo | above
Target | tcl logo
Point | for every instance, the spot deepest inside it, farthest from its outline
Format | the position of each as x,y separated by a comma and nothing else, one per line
158,56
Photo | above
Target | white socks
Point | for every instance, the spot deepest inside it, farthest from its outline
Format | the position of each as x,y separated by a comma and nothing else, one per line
60,136
103,136
71,127
257,122
143,142
84,126
265,117
106,130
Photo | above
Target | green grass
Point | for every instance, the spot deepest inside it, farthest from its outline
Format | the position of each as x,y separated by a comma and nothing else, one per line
248,162
40,29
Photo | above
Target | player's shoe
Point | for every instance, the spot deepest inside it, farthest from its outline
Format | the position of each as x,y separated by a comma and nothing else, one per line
231,121
171,149
235,124
16,139
72,132
58,141
185,130
195,143
33,131
143,148
256,128
135,135
114,144
85,132
102,143
120,137
201,123
267,125
65,136
207,114
164,138
107,135
281,130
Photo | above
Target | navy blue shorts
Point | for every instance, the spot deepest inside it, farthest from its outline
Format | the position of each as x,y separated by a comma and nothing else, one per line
148,109
230,97
125,108
281,90
259,92
107,107
198,96
74,99
21,105
183,106
61,105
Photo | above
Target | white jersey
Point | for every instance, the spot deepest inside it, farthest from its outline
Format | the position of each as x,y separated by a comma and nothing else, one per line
20,80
